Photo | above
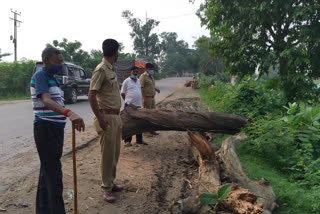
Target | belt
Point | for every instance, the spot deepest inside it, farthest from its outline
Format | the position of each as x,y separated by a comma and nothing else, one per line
110,111
150,96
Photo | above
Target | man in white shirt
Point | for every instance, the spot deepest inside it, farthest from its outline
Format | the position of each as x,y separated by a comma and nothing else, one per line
131,93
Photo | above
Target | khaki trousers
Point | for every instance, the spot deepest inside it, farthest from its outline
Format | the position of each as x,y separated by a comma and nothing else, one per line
149,103
110,149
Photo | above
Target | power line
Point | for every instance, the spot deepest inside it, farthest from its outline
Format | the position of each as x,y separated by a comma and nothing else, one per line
182,15
16,21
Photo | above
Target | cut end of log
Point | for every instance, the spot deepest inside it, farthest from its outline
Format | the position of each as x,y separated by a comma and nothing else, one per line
243,201
245,195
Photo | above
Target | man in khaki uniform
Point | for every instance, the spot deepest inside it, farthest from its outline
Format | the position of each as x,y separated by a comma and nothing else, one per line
148,90
105,101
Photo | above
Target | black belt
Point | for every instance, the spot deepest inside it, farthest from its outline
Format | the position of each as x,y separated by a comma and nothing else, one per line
110,111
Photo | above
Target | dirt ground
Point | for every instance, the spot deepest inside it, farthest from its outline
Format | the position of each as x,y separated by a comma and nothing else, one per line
154,175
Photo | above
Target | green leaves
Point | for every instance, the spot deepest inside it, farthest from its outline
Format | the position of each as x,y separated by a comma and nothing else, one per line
212,198
254,36
208,198
15,78
224,191
145,43
71,51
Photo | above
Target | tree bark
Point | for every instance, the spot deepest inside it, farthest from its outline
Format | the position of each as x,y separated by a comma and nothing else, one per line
246,196
216,166
233,169
138,120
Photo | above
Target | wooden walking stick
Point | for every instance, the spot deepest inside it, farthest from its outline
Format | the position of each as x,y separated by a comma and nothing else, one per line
75,193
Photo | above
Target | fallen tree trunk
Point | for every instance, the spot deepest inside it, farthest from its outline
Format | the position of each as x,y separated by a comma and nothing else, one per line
138,120
216,168
233,169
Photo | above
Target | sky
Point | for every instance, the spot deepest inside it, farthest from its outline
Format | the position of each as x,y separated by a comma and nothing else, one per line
90,22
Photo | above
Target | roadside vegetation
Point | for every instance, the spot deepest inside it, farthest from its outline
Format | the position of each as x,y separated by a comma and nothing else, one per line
15,79
271,49
283,144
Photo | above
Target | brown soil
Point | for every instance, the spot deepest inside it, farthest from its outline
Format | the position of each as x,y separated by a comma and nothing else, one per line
154,176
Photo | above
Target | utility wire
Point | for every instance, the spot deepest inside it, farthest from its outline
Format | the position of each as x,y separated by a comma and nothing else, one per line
182,15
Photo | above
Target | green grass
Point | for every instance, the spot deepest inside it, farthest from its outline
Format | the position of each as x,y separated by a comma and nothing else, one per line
217,106
291,197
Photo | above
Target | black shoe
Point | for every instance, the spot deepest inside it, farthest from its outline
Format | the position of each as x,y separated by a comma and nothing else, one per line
141,143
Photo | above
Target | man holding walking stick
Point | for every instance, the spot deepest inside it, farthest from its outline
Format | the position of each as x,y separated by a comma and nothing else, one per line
49,123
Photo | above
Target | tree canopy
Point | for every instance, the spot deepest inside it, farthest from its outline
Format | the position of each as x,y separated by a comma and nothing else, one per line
145,43
205,63
173,54
71,51
256,35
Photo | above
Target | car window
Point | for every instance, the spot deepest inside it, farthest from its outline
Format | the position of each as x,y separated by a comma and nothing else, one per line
70,72
82,74
64,70
76,73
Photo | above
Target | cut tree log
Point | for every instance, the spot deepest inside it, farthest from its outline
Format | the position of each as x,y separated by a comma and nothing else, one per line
138,120
233,169
215,168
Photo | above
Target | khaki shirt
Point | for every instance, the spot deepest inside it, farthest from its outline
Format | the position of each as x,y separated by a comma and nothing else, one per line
104,80
148,86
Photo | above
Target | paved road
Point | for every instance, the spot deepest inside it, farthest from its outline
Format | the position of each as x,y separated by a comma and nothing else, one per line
17,131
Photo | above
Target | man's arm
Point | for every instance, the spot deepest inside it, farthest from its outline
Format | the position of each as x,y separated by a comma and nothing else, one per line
52,105
124,90
142,93
95,108
157,90
142,83
123,96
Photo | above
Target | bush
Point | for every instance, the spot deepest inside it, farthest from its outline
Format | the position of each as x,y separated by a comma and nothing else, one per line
290,143
15,78
249,98
284,136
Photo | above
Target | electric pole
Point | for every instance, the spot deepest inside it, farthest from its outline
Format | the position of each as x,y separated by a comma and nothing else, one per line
16,21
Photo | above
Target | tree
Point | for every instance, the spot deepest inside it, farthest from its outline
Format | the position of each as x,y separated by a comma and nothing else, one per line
145,43
256,35
71,51
207,64
92,61
170,44
173,54
3,55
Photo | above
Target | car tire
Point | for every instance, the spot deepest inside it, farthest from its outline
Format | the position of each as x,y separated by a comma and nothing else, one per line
72,96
